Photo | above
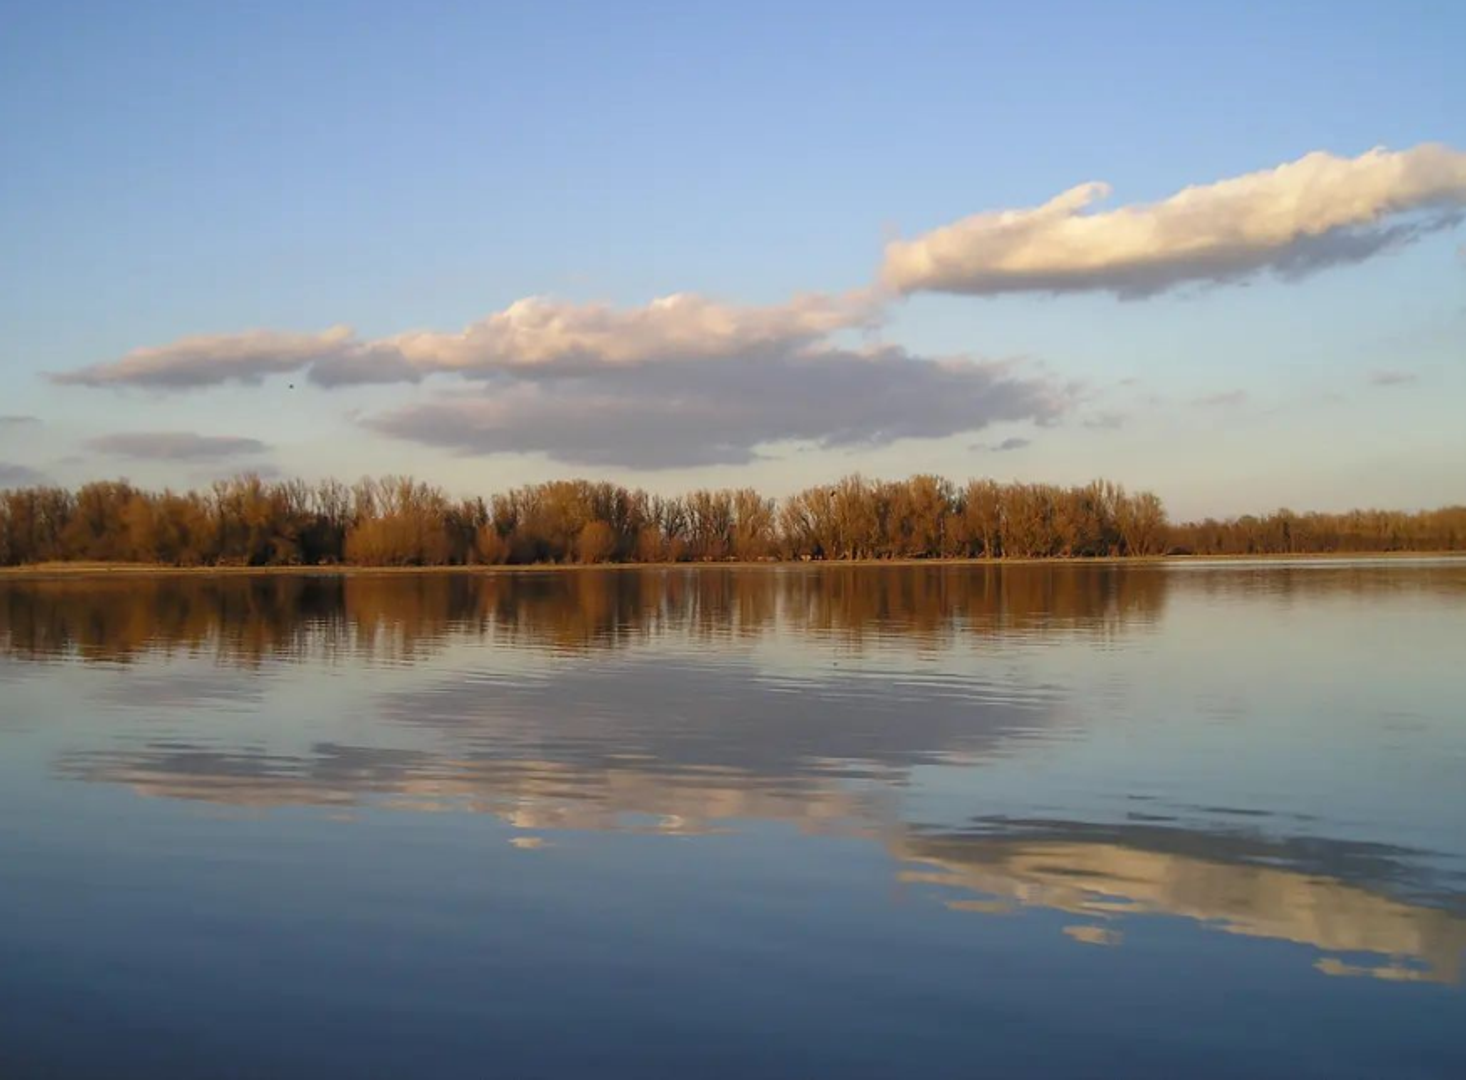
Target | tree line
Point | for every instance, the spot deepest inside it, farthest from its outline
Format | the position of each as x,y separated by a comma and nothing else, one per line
399,521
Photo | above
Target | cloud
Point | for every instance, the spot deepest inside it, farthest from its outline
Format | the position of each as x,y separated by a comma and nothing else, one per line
720,412
1225,399
1106,421
1318,211
680,381
213,359
1007,445
175,446
1392,378
541,334
533,336
12,475
17,421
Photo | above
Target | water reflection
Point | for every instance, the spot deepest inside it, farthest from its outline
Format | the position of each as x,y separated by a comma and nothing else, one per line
248,618
891,707
524,792
1346,900
1330,895
245,619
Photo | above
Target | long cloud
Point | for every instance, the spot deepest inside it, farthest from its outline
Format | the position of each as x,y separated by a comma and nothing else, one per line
681,381
175,446
1299,217
720,413
213,359
534,336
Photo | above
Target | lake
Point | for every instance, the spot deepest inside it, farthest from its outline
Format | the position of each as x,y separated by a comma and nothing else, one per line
942,821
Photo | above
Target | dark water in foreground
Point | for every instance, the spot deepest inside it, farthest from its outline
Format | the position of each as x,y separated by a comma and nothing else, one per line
1096,821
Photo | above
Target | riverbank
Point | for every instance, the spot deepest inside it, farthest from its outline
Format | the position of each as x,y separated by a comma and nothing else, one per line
103,569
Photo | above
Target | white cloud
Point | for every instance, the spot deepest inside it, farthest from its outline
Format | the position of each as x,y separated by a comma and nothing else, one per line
683,380
212,359
1301,216
538,332
687,380
534,335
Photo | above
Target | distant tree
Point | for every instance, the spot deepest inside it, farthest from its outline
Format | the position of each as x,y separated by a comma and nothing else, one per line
596,543
754,534
982,517
1141,520
491,548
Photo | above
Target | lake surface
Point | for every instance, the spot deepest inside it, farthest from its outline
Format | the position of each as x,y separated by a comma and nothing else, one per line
1163,820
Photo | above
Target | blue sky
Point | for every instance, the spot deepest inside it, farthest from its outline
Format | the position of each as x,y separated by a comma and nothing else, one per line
186,169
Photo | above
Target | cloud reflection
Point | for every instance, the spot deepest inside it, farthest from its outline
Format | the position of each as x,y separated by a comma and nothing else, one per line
1343,899
1371,909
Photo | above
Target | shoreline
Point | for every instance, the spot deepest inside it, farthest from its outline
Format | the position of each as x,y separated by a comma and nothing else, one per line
43,571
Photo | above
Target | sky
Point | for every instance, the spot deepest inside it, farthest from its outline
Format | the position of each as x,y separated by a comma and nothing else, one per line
1214,250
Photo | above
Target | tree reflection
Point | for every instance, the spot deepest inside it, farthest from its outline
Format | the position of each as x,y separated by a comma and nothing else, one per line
246,619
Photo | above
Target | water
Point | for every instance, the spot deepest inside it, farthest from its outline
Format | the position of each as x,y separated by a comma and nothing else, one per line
799,821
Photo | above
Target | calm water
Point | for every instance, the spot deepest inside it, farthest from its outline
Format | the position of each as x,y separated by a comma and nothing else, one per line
1148,821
